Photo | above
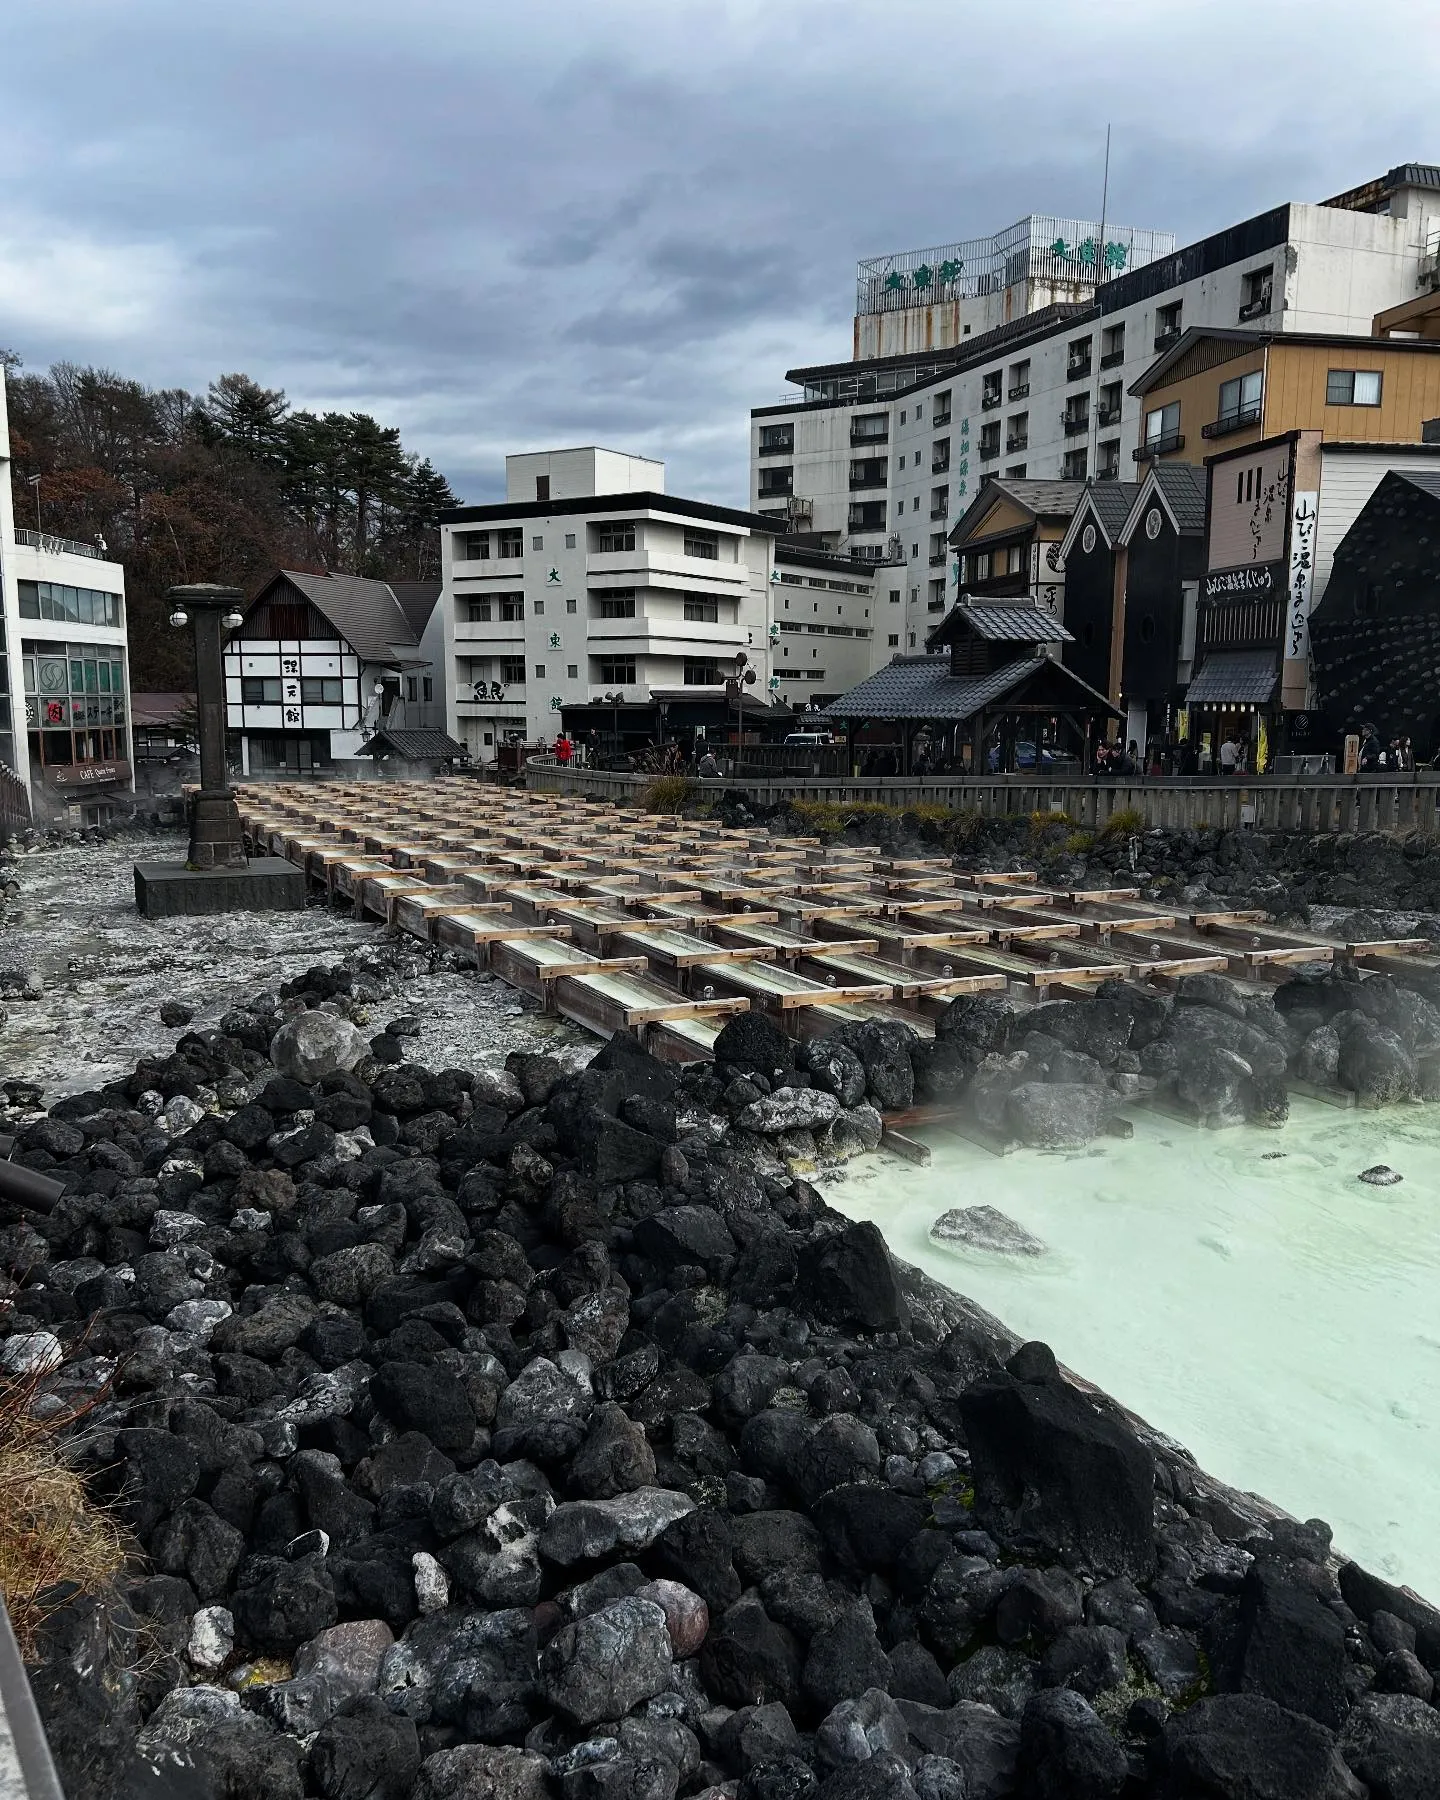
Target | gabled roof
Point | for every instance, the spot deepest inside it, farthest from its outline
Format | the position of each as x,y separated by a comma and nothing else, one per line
364,612
999,621
1180,489
1228,676
922,687
414,746
417,601
1051,500
1108,504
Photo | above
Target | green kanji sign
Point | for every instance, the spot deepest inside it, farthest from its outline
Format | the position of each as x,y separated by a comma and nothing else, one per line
894,280
949,269
923,275
553,578
554,640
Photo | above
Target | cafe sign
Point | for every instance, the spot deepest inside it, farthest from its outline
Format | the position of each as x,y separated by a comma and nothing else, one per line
83,775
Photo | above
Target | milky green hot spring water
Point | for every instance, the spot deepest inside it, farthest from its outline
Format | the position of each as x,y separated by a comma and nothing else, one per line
1241,1290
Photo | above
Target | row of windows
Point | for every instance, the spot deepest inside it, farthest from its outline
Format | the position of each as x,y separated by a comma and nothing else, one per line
1240,401
310,690
610,671
610,603
70,605
607,540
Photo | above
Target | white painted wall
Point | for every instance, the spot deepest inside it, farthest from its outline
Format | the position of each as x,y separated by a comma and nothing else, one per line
579,473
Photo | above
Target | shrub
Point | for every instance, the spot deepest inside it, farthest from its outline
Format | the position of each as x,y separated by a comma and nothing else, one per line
54,1539
1125,821
1080,841
668,793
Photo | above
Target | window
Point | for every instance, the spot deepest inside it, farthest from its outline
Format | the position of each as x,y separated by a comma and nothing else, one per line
569,606
990,440
537,543
1016,471
1077,361
1112,346
427,688
1163,423
1352,387
869,472
1167,324
1076,416
1017,433
477,612
814,674
1019,380
542,490
937,547
325,690
1256,289
616,603
538,608
1107,460
939,502
74,703
902,415
613,538
779,480
867,515
982,565
703,672
472,546
937,595
569,540
512,606
703,543
940,411
539,671
1240,399
893,639
705,612
616,671
411,688
1111,399
1075,465
1016,555
894,596
912,640
512,671
940,456
70,605
259,690
510,543
777,440
572,671
990,389
870,428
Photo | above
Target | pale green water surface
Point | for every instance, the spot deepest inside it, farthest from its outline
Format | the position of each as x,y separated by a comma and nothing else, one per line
1276,1315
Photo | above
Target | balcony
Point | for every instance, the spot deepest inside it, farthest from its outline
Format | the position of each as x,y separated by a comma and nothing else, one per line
1109,415
860,482
775,493
782,447
1013,446
1075,423
1019,391
988,400
1166,337
940,468
1232,421
1162,446
58,546
989,449
860,437
939,418
1079,369
1111,472
1112,359
939,512
937,559
1256,308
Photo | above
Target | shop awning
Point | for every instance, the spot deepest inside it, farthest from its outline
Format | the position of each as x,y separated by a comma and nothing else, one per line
1228,677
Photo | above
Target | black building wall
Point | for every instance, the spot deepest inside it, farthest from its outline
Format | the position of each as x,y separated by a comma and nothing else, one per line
1089,599
1155,608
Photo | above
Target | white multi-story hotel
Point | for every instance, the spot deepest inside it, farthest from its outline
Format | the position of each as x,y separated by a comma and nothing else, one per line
1016,357
64,678
589,580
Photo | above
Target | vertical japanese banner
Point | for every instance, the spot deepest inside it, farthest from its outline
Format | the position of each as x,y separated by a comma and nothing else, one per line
1302,574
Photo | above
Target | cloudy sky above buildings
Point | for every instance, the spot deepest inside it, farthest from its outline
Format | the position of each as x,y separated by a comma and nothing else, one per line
620,221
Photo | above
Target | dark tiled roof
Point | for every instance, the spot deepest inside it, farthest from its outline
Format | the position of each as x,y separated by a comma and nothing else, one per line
922,687
1230,675
1012,621
1427,480
1110,501
365,612
414,746
1047,499
159,709
417,601
1183,486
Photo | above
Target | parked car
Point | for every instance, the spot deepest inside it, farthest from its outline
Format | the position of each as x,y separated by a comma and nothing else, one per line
809,740
1024,756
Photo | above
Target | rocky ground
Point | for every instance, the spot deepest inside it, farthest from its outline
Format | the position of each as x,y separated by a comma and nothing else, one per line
83,979
524,1434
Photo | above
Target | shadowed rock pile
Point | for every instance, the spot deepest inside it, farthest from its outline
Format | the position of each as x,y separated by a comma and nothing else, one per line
531,1436
1056,1075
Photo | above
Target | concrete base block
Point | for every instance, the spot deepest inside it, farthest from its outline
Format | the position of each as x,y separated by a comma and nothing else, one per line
170,890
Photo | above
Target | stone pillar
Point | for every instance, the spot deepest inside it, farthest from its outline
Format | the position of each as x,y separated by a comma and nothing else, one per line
216,841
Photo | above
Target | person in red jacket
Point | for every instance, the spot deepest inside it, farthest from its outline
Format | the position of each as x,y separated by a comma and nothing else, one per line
564,749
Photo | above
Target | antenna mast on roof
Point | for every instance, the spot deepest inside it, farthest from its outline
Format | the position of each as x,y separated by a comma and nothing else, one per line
1104,203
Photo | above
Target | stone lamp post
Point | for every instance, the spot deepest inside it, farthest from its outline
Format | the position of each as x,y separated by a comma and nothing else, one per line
216,875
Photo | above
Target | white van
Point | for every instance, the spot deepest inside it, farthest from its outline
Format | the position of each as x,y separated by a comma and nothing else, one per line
810,740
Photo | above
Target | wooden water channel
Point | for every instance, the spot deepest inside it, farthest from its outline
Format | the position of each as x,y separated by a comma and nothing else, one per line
619,919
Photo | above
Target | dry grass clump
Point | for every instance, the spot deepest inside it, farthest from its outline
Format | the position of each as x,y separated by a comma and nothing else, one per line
668,793
54,1539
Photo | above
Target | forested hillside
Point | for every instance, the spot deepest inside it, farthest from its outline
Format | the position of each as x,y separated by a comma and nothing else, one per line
220,487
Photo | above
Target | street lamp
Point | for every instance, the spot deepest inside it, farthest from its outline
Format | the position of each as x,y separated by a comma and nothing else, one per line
613,700
735,686
215,836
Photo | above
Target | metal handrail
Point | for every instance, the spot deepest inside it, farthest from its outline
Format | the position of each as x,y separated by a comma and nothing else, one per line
27,1769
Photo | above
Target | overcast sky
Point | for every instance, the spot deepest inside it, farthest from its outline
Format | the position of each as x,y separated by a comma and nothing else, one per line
558,222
